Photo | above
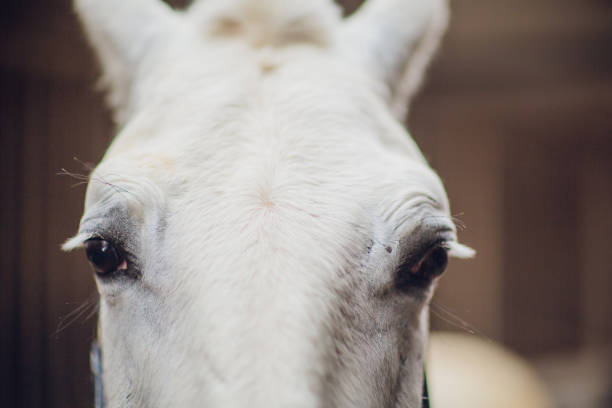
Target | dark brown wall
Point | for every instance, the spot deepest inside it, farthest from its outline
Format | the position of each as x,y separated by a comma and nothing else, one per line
516,116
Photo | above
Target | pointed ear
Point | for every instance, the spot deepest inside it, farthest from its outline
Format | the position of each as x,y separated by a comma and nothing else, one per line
123,33
395,40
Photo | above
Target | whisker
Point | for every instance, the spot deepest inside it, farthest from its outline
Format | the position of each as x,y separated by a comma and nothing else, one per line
77,176
453,319
460,225
84,179
459,222
88,308
87,166
93,311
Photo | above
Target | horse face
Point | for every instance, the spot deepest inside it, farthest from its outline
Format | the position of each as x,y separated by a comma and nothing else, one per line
263,231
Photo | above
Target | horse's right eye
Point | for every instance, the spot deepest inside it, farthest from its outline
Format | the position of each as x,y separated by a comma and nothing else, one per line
103,256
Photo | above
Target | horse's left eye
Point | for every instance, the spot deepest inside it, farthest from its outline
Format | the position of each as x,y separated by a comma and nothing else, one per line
103,256
426,267
432,264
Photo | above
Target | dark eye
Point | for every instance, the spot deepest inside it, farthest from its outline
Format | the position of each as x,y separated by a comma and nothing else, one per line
104,257
421,271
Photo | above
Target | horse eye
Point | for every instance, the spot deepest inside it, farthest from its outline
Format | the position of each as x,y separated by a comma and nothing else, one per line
428,266
103,256
432,264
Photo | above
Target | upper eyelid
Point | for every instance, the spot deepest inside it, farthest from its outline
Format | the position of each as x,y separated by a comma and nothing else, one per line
77,241
414,254
110,226
424,235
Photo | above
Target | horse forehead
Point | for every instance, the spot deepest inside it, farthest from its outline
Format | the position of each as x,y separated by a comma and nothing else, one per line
281,126
264,163
267,163
309,99
302,125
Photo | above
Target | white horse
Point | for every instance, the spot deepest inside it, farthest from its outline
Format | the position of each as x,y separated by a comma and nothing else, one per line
264,232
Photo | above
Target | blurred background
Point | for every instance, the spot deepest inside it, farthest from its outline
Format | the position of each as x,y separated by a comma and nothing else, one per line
516,116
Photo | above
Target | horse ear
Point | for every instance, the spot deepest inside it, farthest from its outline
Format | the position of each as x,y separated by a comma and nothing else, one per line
123,33
395,41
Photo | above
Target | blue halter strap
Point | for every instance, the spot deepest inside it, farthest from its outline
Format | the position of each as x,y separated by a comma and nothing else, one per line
95,363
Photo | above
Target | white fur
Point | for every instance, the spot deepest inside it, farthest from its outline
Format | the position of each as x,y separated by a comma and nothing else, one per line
256,164
394,40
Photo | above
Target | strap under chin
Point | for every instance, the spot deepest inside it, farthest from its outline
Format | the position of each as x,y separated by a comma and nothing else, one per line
425,398
95,363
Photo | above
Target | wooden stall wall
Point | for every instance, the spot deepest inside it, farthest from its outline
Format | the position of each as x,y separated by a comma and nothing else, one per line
516,117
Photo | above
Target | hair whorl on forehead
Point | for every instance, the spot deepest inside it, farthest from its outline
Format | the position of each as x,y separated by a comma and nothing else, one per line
268,22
